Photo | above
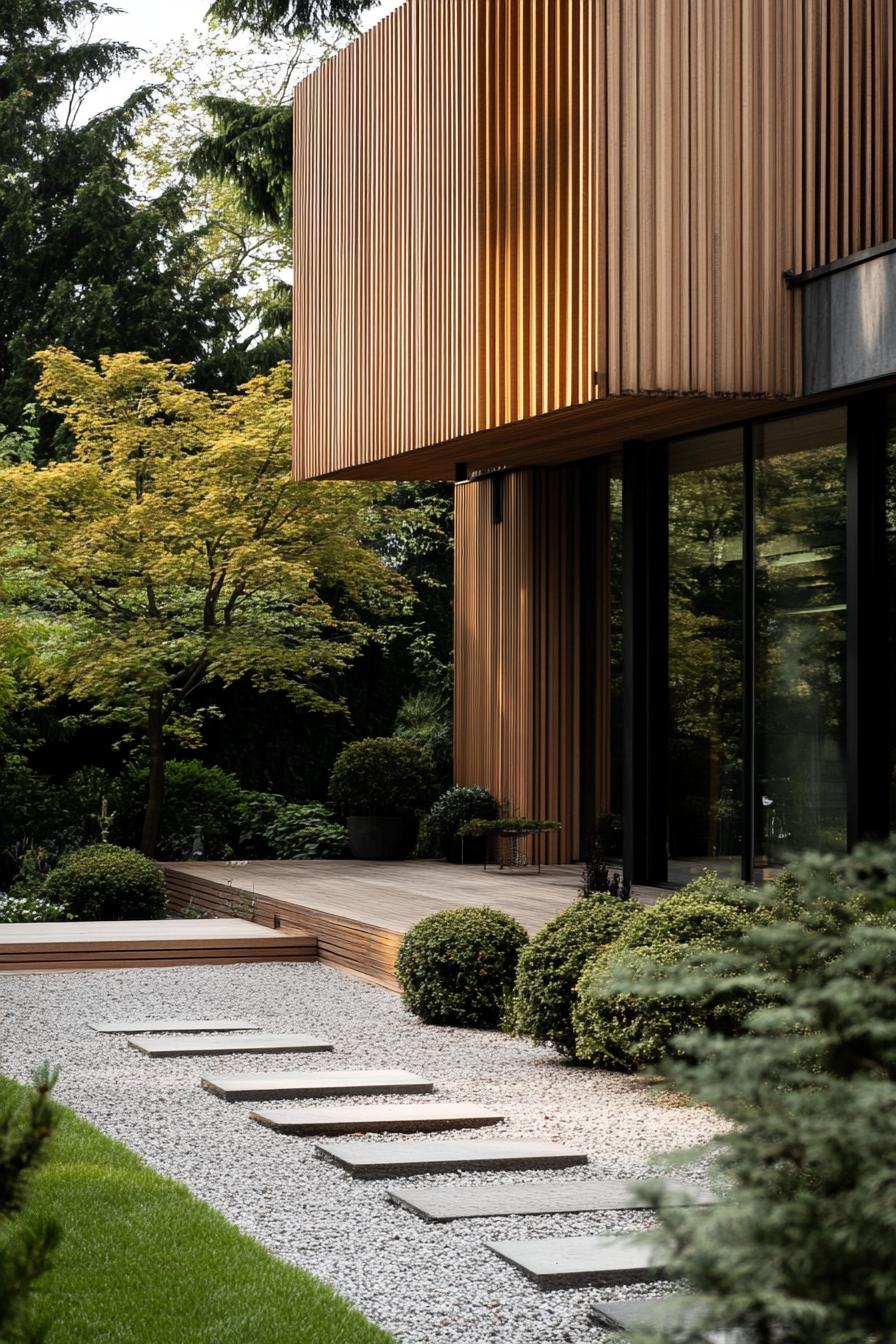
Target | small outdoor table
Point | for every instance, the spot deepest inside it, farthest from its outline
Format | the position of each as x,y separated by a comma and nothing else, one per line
516,859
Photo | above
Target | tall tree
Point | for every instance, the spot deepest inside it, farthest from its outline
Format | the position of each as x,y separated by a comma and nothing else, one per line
84,260
295,18
175,554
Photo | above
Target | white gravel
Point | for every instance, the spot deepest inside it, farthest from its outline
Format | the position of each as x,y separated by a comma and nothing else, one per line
426,1283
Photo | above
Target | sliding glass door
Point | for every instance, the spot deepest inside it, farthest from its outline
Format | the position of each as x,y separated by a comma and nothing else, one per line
756,752
801,637
705,736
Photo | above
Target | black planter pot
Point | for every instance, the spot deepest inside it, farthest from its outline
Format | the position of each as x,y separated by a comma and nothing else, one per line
472,849
381,837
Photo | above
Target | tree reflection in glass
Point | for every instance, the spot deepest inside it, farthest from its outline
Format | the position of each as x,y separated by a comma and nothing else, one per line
705,763
800,514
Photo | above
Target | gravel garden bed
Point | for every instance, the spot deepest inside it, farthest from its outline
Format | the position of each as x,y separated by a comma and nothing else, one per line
427,1283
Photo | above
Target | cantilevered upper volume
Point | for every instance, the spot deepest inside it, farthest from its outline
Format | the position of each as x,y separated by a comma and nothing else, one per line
528,230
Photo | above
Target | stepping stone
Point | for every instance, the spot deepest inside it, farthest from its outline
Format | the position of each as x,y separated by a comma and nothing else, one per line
280,1086
674,1316
498,1201
582,1262
370,1119
160,1046
175,1024
416,1158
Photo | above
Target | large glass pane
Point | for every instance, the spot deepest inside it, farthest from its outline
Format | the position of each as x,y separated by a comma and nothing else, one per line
891,591
705,761
800,517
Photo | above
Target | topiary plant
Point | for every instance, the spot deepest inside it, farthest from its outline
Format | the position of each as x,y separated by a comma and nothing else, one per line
619,1021
456,968
448,813
551,965
381,777
105,882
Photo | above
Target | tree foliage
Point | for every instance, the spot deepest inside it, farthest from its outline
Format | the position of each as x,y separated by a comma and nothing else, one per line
295,18
175,552
86,262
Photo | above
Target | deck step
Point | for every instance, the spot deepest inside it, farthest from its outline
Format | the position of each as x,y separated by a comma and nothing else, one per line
497,1201
282,1086
582,1262
369,1161
174,1024
675,1316
248,1044
372,1119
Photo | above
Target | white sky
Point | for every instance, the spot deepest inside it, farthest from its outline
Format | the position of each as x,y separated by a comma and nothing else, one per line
152,24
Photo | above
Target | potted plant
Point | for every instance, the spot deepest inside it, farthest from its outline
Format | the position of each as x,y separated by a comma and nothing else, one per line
448,814
380,785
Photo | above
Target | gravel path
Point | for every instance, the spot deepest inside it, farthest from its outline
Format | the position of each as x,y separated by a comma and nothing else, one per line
427,1283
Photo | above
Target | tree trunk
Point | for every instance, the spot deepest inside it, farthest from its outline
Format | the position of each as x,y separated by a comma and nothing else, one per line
153,816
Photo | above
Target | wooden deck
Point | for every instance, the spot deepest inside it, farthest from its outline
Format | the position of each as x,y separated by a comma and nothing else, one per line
80,945
359,911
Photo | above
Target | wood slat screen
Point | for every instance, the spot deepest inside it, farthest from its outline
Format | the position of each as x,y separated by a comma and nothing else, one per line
504,208
517,646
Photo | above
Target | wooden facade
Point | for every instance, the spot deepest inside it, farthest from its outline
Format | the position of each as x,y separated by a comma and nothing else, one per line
513,215
524,625
528,232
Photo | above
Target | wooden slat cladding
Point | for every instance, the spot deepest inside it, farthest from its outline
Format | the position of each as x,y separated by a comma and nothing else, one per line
385,251
517,645
504,208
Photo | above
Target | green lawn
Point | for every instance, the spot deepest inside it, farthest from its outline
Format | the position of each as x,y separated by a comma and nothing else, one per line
141,1260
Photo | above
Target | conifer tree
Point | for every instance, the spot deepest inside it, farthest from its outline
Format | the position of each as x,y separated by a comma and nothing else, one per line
84,261
25,1245
801,1249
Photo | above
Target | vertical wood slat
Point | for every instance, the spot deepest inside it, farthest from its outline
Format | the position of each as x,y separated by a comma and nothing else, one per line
517,646
507,207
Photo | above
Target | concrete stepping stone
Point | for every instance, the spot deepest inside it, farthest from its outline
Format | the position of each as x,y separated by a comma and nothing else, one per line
369,1161
371,1119
281,1086
675,1317
174,1024
582,1262
248,1044
498,1201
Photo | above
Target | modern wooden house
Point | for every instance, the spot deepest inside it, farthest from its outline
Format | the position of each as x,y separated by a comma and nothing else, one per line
625,271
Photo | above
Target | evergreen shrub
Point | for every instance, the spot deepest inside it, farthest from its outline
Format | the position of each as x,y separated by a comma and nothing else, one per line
106,882
802,1249
381,777
449,812
551,965
456,968
621,1019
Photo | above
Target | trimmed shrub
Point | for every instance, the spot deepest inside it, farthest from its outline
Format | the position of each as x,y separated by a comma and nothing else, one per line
381,777
688,916
449,812
551,965
105,882
622,1019
619,1020
456,968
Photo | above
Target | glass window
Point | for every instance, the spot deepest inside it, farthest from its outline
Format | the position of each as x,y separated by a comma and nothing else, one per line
705,752
800,519
891,590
